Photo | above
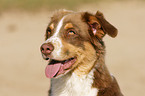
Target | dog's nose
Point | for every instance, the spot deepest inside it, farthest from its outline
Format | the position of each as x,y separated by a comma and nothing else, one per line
46,48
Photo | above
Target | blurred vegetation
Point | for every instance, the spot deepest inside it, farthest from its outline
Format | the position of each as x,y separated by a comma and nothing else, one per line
35,5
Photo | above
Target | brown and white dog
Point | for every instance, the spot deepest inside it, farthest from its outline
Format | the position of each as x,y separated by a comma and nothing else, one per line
75,52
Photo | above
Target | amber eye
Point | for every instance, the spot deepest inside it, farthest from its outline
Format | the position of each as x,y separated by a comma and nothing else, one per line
48,31
71,32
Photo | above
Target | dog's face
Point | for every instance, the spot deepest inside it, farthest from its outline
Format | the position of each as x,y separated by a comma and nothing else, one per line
73,41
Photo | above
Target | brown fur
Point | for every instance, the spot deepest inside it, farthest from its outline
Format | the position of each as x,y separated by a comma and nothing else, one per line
106,83
88,47
84,64
59,14
68,26
101,24
107,27
112,90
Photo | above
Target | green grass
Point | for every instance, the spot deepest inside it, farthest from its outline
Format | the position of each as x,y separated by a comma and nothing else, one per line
34,5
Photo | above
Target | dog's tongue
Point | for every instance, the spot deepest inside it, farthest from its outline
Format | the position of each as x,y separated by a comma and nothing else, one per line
52,70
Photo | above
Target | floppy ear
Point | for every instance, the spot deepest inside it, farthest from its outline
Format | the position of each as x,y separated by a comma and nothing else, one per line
106,26
99,25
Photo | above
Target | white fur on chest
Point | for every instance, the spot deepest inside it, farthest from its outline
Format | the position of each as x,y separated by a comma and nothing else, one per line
72,85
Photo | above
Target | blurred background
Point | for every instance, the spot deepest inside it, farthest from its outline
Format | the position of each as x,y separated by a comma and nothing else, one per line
22,28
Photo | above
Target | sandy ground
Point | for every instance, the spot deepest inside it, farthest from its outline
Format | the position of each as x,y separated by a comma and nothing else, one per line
21,34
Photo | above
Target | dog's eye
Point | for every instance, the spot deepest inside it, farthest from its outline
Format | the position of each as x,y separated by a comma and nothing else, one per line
49,31
71,32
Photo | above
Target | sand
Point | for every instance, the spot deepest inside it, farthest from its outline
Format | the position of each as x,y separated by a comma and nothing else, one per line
22,33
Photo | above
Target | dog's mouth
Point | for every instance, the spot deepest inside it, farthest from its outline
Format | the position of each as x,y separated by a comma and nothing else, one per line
56,67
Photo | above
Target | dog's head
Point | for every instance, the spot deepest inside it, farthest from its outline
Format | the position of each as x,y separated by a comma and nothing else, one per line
74,42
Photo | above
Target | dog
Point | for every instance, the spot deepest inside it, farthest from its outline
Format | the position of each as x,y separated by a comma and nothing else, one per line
75,52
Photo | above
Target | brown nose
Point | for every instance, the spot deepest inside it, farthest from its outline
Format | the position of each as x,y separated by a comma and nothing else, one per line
46,49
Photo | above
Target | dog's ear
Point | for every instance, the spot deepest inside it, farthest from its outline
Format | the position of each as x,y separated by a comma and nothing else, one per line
106,26
99,25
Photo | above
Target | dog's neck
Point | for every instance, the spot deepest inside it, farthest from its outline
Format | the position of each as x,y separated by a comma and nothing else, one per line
97,82
73,85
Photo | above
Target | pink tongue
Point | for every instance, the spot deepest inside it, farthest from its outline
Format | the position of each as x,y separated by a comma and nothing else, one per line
52,70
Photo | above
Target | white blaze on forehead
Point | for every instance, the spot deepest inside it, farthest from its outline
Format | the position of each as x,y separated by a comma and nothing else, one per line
59,26
55,39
